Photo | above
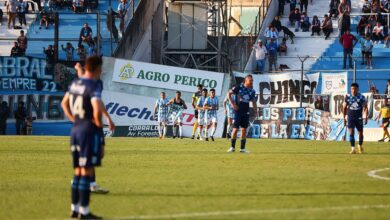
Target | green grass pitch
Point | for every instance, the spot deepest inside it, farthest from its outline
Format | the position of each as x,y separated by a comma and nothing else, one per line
186,179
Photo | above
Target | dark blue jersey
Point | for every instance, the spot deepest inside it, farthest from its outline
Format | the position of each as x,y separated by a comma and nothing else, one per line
243,97
81,93
355,106
99,84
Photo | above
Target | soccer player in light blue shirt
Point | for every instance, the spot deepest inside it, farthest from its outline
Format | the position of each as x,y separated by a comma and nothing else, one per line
229,112
211,107
201,112
161,110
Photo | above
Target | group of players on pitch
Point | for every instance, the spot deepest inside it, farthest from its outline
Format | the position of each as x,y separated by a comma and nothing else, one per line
83,106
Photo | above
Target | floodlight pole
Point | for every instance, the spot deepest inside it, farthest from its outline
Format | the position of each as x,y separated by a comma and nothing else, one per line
354,70
302,59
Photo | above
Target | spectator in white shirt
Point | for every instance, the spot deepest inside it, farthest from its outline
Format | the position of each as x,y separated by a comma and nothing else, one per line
260,54
377,32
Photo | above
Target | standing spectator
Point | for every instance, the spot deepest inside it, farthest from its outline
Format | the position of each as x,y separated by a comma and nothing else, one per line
361,25
122,10
281,7
260,55
82,53
344,23
303,3
22,42
111,24
366,7
368,46
69,50
22,9
348,41
49,52
386,7
11,6
20,117
327,26
15,50
294,18
293,5
377,33
315,26
44,19
272,34
368,30
4,114
85,34
39,4
272,48
277,24
1,17
387,90
362,40
334,8
343,7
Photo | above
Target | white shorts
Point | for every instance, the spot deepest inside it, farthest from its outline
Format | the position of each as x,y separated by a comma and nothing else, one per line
201,121
162,119
176,117
211,119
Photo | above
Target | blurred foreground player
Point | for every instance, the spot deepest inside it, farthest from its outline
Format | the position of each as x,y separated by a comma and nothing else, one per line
83,106
94,187
354,105
244,94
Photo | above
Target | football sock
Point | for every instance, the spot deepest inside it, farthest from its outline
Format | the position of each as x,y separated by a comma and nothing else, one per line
352,141
200,131
174,130
386,134
233,143
180,130
84,194
243,142
228,129
93,180
213,131
159,130
75,193
194,128
206,132
361,140
164,130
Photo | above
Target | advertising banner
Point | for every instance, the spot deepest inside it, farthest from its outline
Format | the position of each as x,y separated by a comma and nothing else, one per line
33,74
298,123
283,89
334,83
134,117
166,77
337,101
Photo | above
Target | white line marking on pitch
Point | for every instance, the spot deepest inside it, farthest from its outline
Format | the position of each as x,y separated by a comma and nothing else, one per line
248,212
373,174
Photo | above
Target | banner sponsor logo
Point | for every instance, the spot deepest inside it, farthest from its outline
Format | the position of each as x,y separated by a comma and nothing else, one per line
334,83
167,77
337,103
284,89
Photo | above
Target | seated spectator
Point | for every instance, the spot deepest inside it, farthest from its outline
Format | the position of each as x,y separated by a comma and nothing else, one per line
22,42
333,8
372,20
272,33
327,26
361,25
344,23
368,30
85,34
277,24
304,22
69,50
295,18
377,33
283,47
82,53
22,9
15,50
78,6
375,8
315,26
44,19
49,52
